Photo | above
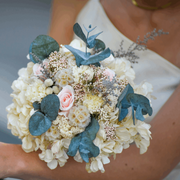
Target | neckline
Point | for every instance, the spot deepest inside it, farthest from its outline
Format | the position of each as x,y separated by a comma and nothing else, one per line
113,27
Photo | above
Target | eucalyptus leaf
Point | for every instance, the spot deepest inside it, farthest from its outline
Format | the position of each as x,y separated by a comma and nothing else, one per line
99,45
42,46
40,121
79,32
91,41
36,105
50,106
139,114
123,114
38,124
84,142
122,103
141,104
73,147
79,55
124,93
97,57
125,103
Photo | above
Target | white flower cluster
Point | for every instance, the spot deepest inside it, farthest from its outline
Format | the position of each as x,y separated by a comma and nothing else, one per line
121,67
64,77
79,116
82,92
80,72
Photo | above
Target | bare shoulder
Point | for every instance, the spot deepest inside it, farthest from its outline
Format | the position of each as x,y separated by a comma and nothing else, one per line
133,22
64,14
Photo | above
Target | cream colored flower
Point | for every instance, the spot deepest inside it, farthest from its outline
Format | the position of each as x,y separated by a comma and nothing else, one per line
92,102
79,116
28,144
120,66
64,77
48,82
36,91
66,129
53,133
144,89
83,72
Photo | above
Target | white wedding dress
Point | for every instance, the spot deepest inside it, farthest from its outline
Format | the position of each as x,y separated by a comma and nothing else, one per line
151,67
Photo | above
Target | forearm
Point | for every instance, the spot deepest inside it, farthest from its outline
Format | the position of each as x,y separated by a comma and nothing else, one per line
64,14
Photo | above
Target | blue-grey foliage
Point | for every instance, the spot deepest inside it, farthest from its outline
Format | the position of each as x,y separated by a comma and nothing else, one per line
91,42
97,57
83,58
42,46
122,103
41,120
38,124
50,106
36,105
79,32
99,45
84,142
139,103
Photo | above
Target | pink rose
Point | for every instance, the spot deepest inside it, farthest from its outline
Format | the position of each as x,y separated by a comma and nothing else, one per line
37,68
109,73
66,97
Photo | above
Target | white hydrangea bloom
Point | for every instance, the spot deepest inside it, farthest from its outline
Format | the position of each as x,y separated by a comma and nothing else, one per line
144,89
36,91
141,143
19,111
97,163
30,68
120,66
28,144
56,155
77,157
83,70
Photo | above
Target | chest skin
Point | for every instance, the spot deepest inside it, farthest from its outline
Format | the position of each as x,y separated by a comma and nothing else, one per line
133,22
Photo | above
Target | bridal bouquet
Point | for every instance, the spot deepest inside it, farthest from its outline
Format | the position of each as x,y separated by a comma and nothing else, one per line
78,100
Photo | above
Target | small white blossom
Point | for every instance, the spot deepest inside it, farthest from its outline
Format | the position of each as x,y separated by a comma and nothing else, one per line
48,82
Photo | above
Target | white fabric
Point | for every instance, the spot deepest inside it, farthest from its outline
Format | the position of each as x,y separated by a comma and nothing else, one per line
151,67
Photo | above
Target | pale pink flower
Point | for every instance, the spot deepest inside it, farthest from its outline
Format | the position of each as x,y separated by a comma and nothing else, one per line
109,73
37,68
66,97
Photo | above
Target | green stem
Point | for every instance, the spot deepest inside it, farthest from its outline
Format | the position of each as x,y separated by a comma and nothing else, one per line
86,42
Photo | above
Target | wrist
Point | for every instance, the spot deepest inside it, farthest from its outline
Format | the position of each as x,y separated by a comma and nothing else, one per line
15,163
